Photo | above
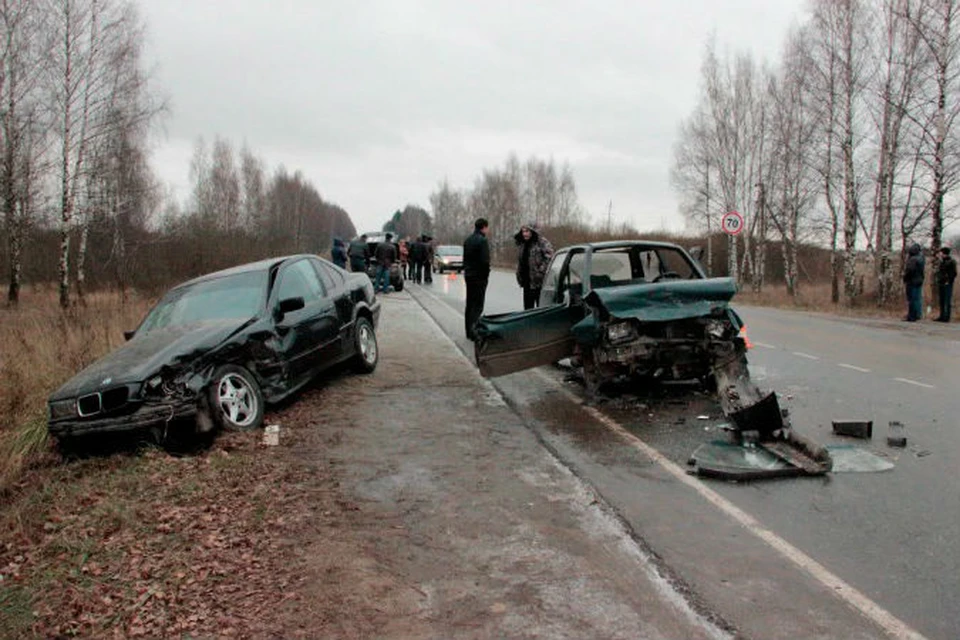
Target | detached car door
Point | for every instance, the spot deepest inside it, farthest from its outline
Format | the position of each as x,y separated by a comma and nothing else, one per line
307,335
511,342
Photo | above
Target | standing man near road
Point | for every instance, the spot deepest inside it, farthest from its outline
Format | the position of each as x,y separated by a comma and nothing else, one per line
427,258
946,274
358,253
535,252
476,273
913,282
386,255
416,260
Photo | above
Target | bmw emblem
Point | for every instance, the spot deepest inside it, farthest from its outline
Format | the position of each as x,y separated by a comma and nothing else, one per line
106,381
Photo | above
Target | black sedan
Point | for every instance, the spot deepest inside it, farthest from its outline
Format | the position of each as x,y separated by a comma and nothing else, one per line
216,348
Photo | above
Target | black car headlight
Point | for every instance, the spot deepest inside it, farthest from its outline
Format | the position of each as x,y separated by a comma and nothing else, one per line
61,409
620,331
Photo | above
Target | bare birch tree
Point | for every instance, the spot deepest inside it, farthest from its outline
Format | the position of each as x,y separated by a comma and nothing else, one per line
22,121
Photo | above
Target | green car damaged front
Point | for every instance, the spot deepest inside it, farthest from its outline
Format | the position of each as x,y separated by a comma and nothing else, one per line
671,330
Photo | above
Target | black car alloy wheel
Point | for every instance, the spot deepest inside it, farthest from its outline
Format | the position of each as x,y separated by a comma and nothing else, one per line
235,399
365,339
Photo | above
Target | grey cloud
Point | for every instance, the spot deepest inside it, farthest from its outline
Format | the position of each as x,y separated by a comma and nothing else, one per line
379,100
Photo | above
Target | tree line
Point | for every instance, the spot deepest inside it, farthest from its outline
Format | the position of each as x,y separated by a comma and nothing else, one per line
517,193
849,141
81,205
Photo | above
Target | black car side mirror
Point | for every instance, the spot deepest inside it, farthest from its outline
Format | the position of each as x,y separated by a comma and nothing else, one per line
129,334
290,304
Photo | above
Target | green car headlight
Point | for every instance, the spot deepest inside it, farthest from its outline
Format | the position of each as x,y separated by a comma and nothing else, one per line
63,409
620,331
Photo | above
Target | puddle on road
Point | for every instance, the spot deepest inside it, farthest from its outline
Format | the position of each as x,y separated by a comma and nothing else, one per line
850,459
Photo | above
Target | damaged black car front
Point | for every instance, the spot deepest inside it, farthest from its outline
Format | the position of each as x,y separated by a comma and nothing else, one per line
215,349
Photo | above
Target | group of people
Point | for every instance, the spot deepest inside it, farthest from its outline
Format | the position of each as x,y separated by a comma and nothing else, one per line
415,258
913,276
534,252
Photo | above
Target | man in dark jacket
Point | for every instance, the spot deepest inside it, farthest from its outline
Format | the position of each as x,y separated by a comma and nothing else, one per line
913,282
386,255
476,273
359,254
339,253
535,252
427,258
417,252
946,274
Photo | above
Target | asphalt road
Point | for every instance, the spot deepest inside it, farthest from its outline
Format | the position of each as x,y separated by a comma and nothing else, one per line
886,545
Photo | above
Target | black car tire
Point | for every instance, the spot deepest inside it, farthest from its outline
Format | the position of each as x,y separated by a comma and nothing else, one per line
398,285
235,401
440,269
365,345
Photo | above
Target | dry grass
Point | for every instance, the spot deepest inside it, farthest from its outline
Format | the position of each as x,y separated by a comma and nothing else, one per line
43,346
816,297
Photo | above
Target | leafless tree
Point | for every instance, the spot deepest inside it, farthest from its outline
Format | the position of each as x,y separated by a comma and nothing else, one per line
22,121
794,186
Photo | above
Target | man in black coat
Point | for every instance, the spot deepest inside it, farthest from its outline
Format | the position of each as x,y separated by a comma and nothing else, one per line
427,258
476,273
386,255
913,282
416,256
359,253
946,274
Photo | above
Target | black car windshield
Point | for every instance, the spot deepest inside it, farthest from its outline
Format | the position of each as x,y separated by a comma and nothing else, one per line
449,250
238,296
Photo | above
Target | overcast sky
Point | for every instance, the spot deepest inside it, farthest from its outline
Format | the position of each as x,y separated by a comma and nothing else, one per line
377,101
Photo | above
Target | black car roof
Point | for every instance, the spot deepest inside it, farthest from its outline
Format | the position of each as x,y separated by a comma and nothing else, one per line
260,265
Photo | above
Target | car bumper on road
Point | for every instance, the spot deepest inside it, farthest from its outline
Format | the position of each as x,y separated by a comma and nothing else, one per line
143,418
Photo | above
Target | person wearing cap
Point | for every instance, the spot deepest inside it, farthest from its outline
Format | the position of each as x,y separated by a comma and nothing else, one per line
946,274
533,255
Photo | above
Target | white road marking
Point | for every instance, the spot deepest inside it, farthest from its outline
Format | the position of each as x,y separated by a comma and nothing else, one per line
667,589
915,383
854,367
806,355
894,627
764,345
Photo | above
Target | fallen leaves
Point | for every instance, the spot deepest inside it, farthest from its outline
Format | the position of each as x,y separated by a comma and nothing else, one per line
156,546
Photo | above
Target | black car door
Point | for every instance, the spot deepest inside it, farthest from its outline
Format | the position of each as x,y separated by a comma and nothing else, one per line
308,334
337,291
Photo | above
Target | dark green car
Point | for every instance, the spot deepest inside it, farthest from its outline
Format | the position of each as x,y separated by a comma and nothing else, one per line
642,309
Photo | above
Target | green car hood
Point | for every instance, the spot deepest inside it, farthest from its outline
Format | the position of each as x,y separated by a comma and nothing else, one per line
655,302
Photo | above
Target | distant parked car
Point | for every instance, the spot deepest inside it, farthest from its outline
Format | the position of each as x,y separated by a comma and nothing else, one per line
216,348
448,257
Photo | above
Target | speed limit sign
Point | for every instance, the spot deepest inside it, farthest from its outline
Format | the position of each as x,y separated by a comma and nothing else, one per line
732,223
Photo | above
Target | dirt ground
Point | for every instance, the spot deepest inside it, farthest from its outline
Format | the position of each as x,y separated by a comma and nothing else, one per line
410,503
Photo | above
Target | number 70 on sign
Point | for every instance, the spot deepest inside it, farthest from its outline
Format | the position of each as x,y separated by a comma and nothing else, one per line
732,223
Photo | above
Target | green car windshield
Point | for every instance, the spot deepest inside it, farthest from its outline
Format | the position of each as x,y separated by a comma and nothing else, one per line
233,297
634,265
